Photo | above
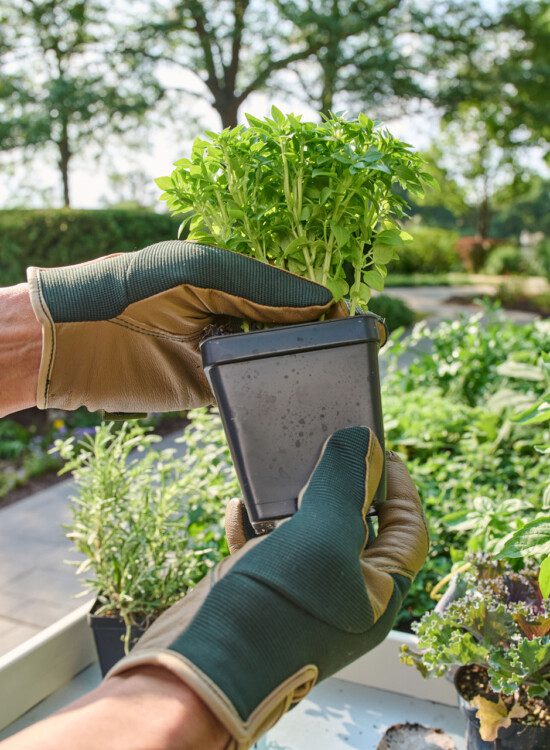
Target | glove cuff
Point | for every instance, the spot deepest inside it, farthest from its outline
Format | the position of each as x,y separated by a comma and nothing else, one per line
44,317
244,732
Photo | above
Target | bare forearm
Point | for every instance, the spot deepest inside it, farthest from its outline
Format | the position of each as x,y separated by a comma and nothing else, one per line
147,708
20,350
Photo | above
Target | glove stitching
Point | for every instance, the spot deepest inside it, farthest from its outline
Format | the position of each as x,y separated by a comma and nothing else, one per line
159,335
52,333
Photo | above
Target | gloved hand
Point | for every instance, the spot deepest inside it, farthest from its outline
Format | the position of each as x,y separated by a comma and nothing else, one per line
292,608
122,333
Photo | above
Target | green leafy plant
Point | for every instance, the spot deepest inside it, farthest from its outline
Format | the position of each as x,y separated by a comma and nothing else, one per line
499,620
471,455
317,199
147,521
495,624
507,259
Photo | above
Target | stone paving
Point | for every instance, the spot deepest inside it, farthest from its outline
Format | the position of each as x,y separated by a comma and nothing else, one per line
36,586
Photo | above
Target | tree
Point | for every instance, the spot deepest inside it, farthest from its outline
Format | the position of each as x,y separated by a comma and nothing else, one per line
467,154
234,47
237,47
379,54
61,82
506,78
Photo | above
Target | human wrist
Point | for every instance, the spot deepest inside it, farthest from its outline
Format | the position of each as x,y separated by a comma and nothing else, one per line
20,350
169,711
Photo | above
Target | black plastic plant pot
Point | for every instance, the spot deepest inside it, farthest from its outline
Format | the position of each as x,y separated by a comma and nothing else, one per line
282,392
515,737
109,633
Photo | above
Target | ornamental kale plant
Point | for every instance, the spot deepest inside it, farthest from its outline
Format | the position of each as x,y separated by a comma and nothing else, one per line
317,199
497,620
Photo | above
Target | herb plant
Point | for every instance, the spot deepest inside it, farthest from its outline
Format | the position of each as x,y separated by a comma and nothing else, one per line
147,521
474,461
317,199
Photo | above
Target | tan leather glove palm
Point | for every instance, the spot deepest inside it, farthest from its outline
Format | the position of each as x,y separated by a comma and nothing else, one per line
122,333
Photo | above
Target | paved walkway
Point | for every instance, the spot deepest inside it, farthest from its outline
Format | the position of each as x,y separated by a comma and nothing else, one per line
37,587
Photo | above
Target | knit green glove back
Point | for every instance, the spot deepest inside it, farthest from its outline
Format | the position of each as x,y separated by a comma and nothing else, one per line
122,333
296,606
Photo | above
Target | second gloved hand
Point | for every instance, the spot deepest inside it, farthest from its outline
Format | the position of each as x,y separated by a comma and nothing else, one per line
292,608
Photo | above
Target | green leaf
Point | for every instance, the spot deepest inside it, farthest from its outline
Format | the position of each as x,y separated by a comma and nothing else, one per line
532,540
383,253
374,280
341,234
338,287
277,115
294,246
389,237
512,369
536,414
544,577
164,183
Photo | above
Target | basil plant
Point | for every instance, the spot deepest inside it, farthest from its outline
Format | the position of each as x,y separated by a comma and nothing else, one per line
322,200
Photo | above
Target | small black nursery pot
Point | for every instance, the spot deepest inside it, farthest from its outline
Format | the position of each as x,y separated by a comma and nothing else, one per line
282,392
109,635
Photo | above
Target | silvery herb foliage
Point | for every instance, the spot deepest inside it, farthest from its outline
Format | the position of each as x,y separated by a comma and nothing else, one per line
148,521
317,199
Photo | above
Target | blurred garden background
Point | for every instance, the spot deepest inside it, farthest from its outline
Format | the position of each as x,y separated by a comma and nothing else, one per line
97,99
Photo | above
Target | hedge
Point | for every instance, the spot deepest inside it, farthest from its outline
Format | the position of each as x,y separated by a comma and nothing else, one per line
430,251
56,237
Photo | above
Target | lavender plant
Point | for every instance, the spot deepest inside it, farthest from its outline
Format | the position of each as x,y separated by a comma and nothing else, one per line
317,199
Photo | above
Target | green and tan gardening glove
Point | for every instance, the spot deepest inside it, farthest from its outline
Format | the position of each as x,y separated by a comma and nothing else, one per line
292,608
122,333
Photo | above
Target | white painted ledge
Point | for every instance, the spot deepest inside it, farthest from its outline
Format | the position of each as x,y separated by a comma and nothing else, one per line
48,661
381,668
44,663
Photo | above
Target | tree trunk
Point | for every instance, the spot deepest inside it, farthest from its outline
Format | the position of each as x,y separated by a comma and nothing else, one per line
227,107
64,158
328,59
484,215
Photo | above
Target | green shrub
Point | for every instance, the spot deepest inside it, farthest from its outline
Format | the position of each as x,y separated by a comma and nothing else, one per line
395,312
63,236
506,259
450,414
430,251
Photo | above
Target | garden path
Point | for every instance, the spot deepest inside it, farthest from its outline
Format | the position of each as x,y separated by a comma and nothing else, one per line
37,587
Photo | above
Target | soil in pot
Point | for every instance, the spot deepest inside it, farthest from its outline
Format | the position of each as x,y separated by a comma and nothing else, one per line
532,732
282,392
109,633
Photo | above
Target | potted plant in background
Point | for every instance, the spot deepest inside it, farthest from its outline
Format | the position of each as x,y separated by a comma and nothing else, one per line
147,528
319,200
492,633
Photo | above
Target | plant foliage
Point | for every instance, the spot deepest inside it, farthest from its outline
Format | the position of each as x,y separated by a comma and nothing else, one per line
317,199
147,521
499,621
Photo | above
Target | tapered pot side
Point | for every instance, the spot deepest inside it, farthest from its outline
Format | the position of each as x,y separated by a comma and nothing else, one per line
109,633
518,736
282,392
